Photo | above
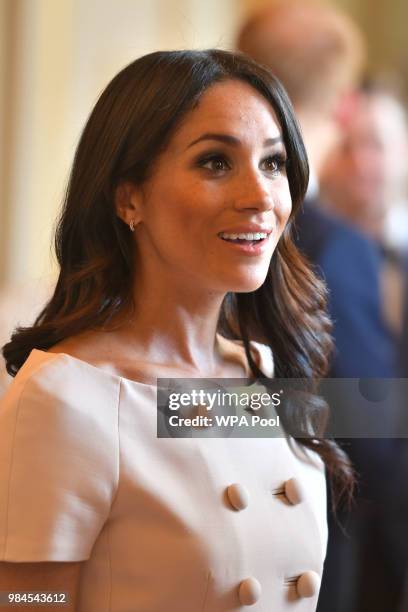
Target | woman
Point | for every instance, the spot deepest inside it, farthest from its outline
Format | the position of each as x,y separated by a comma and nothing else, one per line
175,235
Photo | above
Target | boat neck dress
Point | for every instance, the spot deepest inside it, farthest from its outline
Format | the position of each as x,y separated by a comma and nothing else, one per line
160,524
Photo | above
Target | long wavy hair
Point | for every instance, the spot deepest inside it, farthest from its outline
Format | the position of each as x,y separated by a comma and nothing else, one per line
129,127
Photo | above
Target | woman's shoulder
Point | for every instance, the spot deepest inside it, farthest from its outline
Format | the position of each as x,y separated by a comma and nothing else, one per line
107,355
91,347
49,379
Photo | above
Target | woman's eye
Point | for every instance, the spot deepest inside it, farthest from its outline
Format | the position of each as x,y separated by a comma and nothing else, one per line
274,164
216,163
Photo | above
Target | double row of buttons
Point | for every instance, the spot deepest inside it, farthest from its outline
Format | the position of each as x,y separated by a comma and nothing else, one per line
249,590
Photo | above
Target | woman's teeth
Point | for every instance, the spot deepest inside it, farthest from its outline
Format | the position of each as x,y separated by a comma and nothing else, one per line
249,237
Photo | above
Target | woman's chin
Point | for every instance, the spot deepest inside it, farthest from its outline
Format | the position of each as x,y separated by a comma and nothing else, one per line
247,284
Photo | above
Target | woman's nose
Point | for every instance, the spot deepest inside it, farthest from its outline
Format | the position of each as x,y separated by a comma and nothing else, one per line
253,192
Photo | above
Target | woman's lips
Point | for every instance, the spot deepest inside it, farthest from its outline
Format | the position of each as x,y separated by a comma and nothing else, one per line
248,247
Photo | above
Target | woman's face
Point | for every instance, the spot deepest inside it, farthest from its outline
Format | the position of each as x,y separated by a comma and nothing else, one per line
218,198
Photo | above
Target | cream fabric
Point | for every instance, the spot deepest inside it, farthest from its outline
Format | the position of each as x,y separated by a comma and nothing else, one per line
84,477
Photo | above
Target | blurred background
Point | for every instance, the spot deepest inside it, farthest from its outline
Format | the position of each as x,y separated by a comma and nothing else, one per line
56,56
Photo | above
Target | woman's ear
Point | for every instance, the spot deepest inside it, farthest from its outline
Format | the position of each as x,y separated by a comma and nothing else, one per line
128,203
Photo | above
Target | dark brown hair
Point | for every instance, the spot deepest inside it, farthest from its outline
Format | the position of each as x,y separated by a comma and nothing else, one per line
130,125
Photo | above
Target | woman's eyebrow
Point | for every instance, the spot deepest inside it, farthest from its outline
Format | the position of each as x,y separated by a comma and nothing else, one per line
232,140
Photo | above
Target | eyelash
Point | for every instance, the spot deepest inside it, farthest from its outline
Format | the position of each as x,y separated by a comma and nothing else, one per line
279,159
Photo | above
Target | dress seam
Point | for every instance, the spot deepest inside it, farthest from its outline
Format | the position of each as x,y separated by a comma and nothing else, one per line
118,445
114,496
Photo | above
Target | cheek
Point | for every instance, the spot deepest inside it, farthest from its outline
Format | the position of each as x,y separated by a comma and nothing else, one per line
283,207
169,209
175,221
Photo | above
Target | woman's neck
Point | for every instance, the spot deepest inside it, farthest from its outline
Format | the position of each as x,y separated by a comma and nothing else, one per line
179,329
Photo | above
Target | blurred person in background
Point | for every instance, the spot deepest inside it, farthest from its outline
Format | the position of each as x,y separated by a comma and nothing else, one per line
365,178
318,53
364,181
